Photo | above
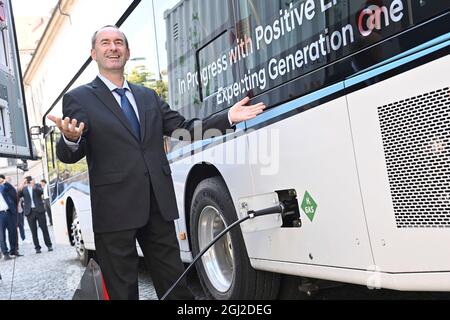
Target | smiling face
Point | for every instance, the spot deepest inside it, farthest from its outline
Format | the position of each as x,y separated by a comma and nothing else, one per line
110,51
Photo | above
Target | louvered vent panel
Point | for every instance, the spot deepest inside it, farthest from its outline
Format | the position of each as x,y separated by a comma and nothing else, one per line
416,139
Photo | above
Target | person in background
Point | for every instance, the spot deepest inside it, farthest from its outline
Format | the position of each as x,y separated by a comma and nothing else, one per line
21,220
46,198
35,212
8,213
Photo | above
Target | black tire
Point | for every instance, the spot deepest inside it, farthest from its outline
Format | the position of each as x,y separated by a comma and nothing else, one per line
211,198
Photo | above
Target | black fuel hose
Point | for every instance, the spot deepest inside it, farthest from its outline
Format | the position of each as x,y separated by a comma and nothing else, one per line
279,209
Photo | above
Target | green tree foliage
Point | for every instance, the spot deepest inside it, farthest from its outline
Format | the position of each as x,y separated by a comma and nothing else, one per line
140,75
162,89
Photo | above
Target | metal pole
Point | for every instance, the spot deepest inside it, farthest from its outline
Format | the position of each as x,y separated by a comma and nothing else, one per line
156,40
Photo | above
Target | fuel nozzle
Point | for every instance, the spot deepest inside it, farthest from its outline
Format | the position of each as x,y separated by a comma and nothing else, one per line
280,208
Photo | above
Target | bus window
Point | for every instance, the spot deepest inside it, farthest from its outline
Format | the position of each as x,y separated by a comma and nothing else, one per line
55,167
3,60
293,38
3,39
216,68
276,38
423,10
50,143
189,26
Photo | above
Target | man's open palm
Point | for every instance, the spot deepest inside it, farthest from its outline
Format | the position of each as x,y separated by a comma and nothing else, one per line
68,127
240,112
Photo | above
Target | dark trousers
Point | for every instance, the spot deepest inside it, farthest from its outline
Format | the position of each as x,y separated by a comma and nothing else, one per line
8,221
3,227
21,224
35,218
119,261
48,208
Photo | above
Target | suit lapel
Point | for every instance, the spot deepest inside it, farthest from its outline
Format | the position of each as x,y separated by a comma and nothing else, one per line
106,97
140,102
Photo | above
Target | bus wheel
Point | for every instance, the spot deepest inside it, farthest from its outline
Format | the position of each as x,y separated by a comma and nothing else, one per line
224,271
77,239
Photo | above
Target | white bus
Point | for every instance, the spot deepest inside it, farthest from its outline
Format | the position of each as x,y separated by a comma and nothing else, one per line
356,138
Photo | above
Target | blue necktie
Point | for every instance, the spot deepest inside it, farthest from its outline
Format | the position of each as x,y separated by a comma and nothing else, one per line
129,112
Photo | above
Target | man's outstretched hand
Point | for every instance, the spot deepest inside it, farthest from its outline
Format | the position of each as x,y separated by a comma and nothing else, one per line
240,112
68,127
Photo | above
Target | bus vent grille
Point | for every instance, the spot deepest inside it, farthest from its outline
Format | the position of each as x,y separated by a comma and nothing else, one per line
176,31
416,140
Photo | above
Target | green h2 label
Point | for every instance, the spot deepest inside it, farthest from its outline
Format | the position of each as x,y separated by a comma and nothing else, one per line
309,206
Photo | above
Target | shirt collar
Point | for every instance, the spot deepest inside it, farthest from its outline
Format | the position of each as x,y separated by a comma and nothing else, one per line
111,86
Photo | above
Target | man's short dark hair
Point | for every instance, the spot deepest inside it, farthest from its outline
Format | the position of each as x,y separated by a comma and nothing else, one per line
2,176
94,36
29,178
44,181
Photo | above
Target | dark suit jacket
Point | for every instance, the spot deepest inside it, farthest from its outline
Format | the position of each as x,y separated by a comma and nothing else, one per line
37,199
122,169
10,195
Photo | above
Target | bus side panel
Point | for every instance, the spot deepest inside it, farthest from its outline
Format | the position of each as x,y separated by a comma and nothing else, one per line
82,204
230,159
312,152
401,130
60,223
180,171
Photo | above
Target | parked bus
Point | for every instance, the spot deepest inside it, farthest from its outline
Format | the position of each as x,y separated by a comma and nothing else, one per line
355,140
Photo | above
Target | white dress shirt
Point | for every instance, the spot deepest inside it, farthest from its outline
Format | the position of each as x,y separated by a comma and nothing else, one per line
3,205
30,190
111,86
45,193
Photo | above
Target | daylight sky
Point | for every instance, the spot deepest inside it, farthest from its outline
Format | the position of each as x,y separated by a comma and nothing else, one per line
33,7
142,45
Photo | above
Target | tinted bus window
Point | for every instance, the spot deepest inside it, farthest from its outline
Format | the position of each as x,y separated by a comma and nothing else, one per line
189,26
293,38
422,10
216,69
3,60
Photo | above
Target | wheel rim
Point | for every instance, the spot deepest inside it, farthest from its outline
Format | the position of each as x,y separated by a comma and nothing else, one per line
77,236
218,261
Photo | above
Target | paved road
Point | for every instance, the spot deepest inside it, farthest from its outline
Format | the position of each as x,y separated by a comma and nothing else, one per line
50,275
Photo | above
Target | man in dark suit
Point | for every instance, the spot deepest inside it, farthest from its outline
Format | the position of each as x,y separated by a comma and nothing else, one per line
35,212
121,128
46,198
8,219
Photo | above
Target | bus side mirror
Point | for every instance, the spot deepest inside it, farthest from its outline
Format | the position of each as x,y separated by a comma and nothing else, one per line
35,132
23,166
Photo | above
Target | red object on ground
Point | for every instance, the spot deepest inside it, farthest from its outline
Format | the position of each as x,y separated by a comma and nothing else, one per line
92,285
105,292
